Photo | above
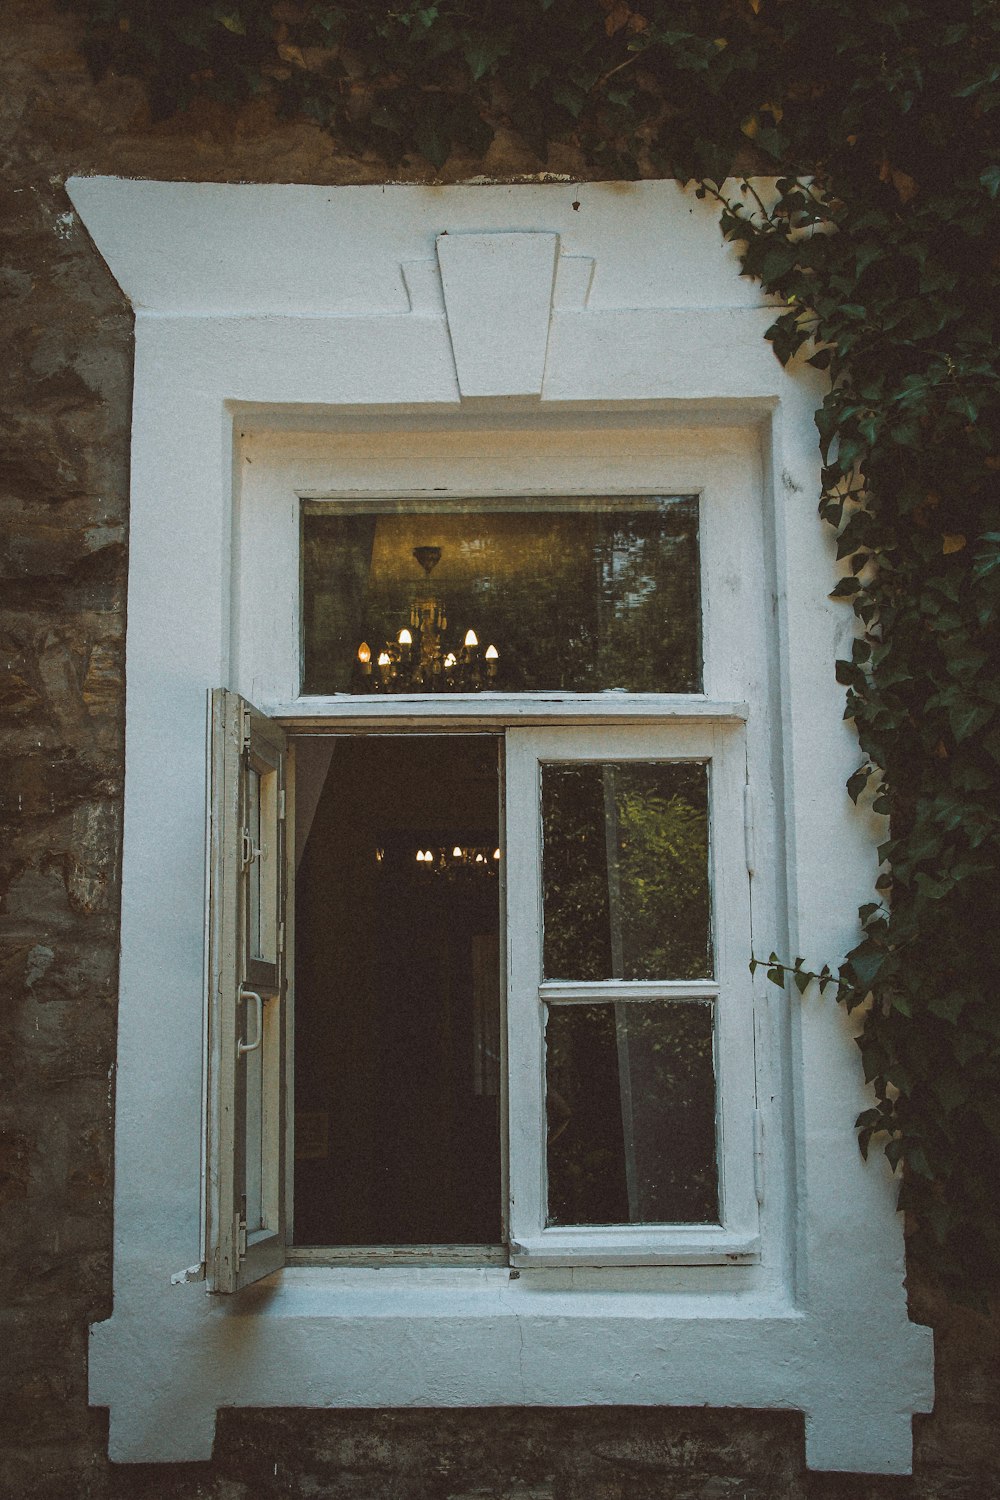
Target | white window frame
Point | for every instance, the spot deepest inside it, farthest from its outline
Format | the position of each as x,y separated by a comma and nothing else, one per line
622,456
720,747
473,310
249,1031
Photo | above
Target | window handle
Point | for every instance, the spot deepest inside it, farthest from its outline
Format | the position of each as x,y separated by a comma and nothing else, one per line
258,1005
249,851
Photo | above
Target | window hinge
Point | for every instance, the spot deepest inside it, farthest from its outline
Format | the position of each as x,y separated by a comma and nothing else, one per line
281,805
246,729
241,1232
758,1155
281,937
748,831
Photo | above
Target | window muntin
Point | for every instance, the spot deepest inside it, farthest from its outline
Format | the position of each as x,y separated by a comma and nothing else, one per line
564,593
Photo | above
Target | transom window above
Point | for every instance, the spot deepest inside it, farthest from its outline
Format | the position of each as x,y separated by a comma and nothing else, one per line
561,593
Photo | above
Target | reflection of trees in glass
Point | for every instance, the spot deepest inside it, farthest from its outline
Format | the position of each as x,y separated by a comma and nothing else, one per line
660,1126
577,600
577,933
663,871
659,822
586,1148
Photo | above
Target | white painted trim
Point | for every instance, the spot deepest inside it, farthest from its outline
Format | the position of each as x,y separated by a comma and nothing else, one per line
585,992
278,324
486,710
483,276
730,991
670,1245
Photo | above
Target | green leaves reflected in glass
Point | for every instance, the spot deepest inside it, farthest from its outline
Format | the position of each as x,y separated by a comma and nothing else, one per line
576,594
625,871
631,1113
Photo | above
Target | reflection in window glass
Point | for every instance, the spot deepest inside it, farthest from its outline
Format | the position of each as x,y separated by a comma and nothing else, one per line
625,871
631,1113
571,594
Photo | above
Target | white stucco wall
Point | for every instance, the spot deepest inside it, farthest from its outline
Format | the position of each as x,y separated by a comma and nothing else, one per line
322,312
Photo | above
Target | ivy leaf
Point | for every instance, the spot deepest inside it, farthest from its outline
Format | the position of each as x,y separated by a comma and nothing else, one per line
965,719
990,180
484,53
864,965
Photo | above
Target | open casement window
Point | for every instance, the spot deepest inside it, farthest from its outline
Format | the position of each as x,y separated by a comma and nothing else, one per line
622,1105
247,1020
630,1027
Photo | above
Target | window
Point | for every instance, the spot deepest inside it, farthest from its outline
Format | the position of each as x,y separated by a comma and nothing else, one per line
523,1015
551,378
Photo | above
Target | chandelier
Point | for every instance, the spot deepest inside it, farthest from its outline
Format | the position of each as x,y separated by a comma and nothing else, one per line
450,860
419,660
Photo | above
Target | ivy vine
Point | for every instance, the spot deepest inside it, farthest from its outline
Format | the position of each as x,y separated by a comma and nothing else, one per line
880,119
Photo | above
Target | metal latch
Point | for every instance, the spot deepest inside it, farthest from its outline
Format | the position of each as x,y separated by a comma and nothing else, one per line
249,851
258,1006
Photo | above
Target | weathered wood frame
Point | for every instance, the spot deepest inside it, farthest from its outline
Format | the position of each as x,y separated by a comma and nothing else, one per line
245,1079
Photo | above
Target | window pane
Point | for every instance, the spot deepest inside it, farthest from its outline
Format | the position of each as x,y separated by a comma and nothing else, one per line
572,594
631,1113
625,871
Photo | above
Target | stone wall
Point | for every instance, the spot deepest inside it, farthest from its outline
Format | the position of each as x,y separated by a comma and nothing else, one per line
64,462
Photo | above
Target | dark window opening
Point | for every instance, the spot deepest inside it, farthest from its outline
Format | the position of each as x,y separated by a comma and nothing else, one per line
397,991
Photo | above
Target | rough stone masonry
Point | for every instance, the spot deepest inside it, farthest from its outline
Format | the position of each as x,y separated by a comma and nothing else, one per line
64,463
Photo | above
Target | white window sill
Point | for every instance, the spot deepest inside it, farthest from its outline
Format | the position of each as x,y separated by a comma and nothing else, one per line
345,1294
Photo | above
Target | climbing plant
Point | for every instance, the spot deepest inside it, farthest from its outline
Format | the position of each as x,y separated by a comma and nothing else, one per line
879,119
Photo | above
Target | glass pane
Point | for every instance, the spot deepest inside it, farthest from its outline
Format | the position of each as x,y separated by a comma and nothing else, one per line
625,870
631,1113
577,594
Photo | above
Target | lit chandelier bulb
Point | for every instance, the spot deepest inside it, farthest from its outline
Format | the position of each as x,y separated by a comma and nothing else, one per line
471,638
383,658
405,638
492,654
364,653
456,853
